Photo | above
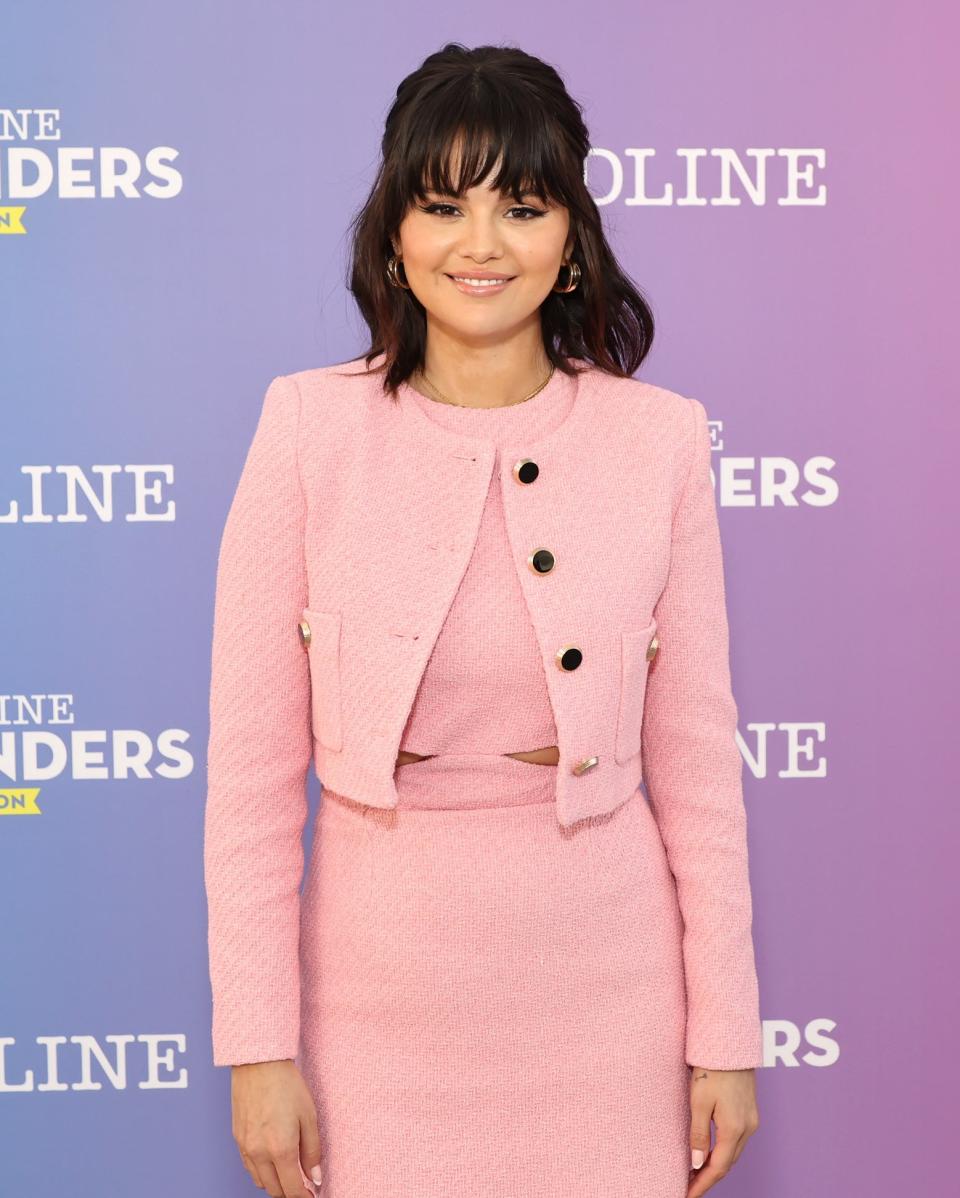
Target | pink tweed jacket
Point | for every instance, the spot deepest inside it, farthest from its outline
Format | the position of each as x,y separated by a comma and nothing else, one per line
352,524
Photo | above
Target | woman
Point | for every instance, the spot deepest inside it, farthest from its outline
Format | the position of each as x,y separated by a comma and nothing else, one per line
476,576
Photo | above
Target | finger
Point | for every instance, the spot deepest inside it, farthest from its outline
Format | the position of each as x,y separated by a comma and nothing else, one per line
251,1167
292,1181
311,1157
700,1112
271,1182
718,1165
312,1187
741,1144
739,1129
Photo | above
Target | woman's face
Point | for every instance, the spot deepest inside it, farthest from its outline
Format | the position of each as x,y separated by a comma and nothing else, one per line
484,233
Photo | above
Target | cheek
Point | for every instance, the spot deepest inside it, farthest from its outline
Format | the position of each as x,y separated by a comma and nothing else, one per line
424,245
541,251
538,266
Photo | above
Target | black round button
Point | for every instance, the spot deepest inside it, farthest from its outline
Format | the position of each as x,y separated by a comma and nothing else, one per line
526,470
569,657
541,561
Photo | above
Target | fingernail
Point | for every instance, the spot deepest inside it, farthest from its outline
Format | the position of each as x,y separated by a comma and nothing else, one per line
316,1174
696,1158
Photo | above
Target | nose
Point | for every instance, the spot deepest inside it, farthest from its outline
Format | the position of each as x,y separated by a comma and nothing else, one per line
479,238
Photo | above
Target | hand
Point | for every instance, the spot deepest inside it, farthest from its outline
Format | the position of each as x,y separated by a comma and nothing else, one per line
729,1096
275,1127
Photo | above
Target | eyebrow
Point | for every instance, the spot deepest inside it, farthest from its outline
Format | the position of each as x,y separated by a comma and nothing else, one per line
450,196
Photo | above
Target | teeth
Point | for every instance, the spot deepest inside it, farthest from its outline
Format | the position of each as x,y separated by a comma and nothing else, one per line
480,282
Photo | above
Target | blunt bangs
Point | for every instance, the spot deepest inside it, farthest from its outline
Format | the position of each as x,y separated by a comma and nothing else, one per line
485,130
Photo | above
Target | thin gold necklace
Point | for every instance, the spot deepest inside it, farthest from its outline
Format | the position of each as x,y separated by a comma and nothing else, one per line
454,403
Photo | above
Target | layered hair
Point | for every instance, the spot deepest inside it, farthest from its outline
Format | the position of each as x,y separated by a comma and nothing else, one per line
492,104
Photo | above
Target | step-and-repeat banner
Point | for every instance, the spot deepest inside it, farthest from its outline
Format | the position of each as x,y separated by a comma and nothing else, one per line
176,182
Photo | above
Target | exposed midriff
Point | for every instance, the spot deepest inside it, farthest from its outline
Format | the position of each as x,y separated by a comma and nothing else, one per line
547,756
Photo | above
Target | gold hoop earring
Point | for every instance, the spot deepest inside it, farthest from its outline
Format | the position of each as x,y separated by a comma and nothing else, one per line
572,280
393,273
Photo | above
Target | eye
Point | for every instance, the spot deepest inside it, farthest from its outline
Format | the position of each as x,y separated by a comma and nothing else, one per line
434,208
528,212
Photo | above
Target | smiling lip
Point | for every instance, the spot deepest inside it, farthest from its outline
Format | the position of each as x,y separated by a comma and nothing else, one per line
493,288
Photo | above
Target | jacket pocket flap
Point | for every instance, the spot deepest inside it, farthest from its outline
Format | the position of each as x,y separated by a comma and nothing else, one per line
320,636
638,647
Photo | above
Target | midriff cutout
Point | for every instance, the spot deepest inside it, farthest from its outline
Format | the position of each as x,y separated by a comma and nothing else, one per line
547,756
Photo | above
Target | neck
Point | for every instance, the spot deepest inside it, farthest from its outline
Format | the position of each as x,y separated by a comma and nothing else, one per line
487,377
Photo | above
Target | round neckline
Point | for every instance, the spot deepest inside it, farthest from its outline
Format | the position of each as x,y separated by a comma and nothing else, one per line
466,434
550,390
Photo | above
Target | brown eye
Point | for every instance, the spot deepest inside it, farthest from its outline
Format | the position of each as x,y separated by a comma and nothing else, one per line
435,208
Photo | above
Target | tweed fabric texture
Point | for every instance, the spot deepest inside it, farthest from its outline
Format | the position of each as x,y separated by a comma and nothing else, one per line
484,689
493,1003
367,514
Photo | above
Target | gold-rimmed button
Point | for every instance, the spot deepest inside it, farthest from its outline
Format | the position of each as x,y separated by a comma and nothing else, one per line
586,764
526,470
541,561
652,649
568,657
303,632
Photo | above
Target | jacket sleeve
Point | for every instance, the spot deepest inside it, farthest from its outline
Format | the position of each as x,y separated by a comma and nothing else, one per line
693,778
259,749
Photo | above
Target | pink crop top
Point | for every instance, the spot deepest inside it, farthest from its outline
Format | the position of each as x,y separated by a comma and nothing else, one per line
484,689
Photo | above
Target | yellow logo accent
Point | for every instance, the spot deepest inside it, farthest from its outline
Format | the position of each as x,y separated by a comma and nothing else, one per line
20,802
10,223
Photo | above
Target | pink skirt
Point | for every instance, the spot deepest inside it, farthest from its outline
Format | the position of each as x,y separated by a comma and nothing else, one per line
493,1004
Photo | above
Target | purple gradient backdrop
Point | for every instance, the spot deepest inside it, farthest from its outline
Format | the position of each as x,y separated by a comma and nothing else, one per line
146,332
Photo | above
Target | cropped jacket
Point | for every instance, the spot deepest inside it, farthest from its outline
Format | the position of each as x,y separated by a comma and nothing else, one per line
353,521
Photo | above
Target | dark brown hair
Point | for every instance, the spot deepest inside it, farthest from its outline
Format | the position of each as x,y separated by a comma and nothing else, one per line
493,101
